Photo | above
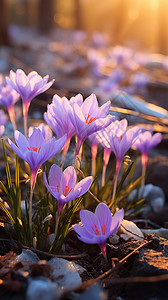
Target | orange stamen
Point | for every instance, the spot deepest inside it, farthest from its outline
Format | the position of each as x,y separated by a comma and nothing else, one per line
120,138
66,191
103,229
87,119
34,149
96,230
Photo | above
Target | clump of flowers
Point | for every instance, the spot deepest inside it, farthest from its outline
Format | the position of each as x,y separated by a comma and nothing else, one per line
60,192
35,151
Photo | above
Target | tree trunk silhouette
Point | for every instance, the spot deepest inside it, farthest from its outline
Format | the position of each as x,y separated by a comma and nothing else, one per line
162,23
78,14
45,16
4,38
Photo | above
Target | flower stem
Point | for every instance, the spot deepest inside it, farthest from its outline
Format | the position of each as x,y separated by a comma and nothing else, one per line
30,213
144,159
94,154
25,126
118,165
103,175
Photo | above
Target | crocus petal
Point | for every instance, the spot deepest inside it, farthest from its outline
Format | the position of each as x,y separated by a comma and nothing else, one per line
103,110
88,240
104,215
21,141
156,139
90,221
77,118
80,230
76,99
117,219
16,149
70,177
90,105
83,186
36,139
55,175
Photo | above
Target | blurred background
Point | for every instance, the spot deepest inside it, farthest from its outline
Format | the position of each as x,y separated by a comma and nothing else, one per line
135,23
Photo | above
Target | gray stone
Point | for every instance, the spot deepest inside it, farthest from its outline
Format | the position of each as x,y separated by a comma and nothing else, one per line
42,290
95,292
154,198
27,255
69,277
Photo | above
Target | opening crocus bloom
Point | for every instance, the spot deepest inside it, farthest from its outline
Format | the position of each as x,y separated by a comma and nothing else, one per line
57,117
97,227
119,139
28,86
145,142
89,118
35,151
62,185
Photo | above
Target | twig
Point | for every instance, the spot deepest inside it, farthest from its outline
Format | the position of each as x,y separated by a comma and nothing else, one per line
69,257
107,273
144,279
133,233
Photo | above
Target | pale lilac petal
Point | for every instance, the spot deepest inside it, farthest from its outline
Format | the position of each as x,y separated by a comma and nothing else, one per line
87,240
156,139
90,221
36,139
55,175
103,110
51,189
117,219
45,87
83,186
90,105
32,74
77,118
80,230
16,149
70,177
21,141
76,99
104,215
80,189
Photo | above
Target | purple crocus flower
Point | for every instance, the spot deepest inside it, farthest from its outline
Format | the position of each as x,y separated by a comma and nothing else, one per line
97,227
28,86
58,119
8,97
62,185
89,118
119,139
35,151
145,142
